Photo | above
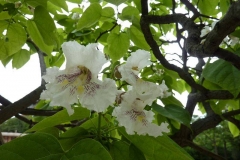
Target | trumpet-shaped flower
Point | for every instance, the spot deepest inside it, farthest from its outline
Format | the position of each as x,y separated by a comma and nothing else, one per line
78,81
134,118
134,64
149,91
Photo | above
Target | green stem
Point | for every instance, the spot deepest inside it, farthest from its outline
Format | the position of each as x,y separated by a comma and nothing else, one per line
99,125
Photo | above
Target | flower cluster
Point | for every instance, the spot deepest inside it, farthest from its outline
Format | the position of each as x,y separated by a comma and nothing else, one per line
131,113
79,82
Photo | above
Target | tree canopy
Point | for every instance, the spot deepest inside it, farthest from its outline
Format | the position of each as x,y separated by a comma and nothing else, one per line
111,70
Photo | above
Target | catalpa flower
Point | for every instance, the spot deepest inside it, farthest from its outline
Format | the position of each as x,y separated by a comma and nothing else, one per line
134,64
78,82
134,118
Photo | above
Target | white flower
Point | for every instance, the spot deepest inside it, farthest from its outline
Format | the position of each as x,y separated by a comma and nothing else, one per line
134,64
164,92
78,82
134,118
149,91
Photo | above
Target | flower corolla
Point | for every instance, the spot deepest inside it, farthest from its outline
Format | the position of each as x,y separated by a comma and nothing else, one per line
134,118
78,82
134,64
131,113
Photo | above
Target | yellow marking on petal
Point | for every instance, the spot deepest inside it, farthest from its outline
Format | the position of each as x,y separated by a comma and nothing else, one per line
65,82
140,118
80,89
85,72
135,68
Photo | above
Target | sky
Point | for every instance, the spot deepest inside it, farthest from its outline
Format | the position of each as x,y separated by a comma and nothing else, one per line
16,83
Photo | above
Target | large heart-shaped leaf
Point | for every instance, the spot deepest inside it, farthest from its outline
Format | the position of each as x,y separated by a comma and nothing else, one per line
173,112
224,75
161,147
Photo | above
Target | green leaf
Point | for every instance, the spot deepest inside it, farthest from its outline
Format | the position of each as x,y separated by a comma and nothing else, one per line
60,3
135,153
4,15
61,117
171,100
11,42
138,38
174,112
71,137
119,150
92,123
88,149
90,16
117,45
208,7
223,74
56,60
224,5
107,13
6,60
36,3
116,2
75,1
37,37
167,3
233,129
161,147
20,58
45,25
129,12
31,147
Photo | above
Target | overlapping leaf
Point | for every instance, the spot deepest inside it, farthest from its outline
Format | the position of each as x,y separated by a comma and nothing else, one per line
161,147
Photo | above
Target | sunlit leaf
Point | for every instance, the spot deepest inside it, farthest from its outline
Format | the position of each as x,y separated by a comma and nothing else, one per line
90,16
61,117
37,37
208,7
60,3
36,3
20,58
11,42
116,2
138,38
233,129
117,45
45,25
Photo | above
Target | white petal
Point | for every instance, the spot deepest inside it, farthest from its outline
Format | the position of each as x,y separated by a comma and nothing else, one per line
147,91
73,52
99,95
134,64
88,56
51,74
127,75
139,59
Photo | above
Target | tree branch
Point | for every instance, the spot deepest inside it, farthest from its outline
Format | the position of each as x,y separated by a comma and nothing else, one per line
157,53
211,121
38,112
41,60
21,104
204,151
